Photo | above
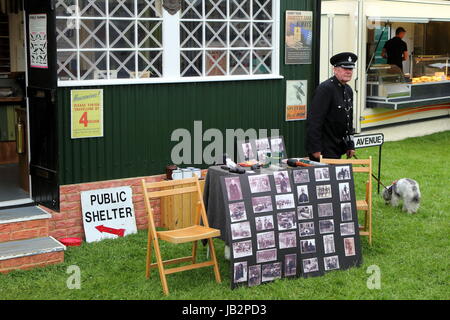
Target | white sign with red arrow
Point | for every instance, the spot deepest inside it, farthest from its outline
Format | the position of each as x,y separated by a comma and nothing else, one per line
108,213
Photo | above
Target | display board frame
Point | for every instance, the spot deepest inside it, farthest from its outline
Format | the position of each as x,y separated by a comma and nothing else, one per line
271,235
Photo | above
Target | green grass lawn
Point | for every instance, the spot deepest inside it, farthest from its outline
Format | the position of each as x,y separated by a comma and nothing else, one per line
412,251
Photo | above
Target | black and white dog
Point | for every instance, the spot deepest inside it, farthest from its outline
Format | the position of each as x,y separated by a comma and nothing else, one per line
404,189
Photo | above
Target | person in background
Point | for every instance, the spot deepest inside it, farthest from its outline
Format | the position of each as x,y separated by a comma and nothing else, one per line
395,50
329,125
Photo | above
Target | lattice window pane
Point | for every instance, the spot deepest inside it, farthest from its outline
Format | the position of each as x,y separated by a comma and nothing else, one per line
262,61
216,9
216,34
240,9
191,34
66,34
240,34
149,8
64,8
123,63
191,9
191,63
92,8
67,65
262,34
121,33
93,65
92,34
149,34
240,62
121,8
262,9
150,64
216,63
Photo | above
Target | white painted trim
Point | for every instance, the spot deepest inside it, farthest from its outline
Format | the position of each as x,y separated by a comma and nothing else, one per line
171,44
76,83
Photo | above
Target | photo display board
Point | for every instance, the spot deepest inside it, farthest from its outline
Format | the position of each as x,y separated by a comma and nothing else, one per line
297,222
257,149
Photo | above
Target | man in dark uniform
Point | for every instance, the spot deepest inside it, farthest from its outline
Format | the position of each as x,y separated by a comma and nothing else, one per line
396,50
329,125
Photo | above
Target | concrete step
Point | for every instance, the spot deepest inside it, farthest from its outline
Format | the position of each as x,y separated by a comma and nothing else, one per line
30,253
23,223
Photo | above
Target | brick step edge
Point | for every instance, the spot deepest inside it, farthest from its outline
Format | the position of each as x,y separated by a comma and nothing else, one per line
31,253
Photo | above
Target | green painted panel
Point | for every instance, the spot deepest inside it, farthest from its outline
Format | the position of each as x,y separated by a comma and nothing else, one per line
139,119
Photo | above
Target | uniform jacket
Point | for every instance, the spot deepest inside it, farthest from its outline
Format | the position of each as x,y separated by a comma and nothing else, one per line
330,120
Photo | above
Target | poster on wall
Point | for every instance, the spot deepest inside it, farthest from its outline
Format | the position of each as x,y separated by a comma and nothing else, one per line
108,213
86,113
38,40
298,222
296,99
298,37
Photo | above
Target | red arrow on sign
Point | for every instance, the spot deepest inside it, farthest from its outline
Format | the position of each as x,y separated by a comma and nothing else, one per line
118,232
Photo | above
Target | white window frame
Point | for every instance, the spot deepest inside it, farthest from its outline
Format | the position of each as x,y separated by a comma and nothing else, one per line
171,48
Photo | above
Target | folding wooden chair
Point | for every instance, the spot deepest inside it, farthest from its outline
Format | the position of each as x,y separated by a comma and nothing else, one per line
192,233
364,166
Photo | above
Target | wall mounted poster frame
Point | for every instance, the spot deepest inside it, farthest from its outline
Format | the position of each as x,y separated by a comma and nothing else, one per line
298,222
298,37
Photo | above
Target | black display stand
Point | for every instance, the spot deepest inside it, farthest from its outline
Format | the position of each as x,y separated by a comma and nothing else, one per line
306,226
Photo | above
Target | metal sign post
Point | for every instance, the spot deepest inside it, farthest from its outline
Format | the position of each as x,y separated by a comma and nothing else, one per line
371,140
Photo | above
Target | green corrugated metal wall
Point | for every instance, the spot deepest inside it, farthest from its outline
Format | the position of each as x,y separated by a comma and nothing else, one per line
139,119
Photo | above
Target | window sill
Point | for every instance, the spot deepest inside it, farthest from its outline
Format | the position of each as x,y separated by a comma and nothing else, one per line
81,83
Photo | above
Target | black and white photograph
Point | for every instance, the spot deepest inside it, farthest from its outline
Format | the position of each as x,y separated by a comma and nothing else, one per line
286,221
346,211
326,226
349,246
254,275
344,191
290,265
240,271
328,244
308,246
287,239
331,263
305,212
282,182
237,211
234,190
265,240
285,201
301,176
310,265
240,230
325,209
264,223
322,174
347,229
277,144
323,191
262,154
248,151
306,229
259,183
343,173
302,192
266,255
262,204
262,144
242,249
271,271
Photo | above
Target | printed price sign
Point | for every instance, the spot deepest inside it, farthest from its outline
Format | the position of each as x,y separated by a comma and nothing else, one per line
87,113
